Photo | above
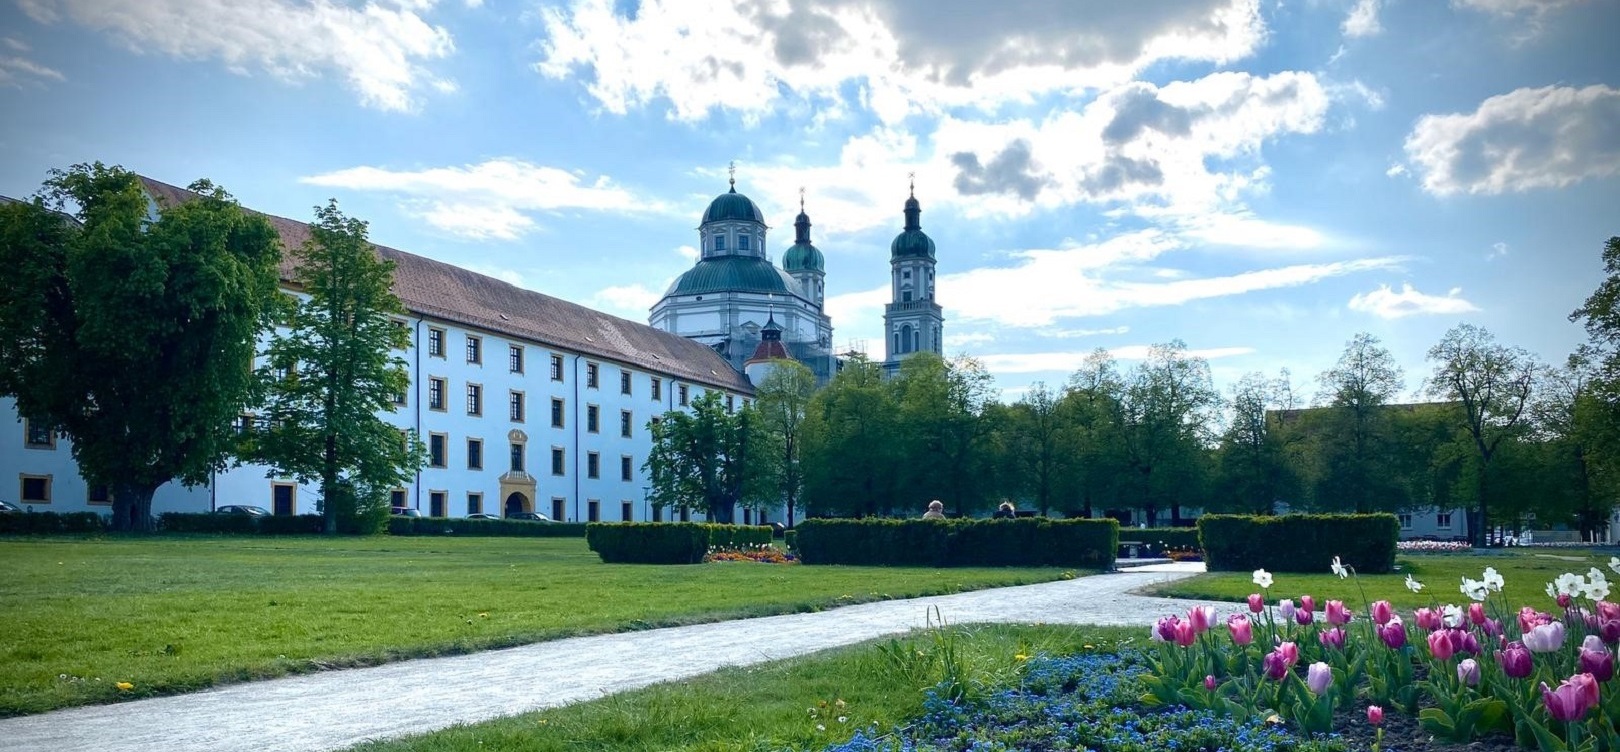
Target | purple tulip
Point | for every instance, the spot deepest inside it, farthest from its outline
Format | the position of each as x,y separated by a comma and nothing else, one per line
1256,603
1318,678
1567,703
1468,672
1332,638
1596,659
1545,638
1304,617
1393,634
1463,641
1285,609
1165,629
1209,682
1515,660
1275,666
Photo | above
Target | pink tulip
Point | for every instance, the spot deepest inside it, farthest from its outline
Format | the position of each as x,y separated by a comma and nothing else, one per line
1567,703
1375,715
1290,653
1185,636
1256,603
1318,678
1428,618
1201,617
1382,612
1468,672
1332,638
1307,603
1165,629
1242,629
1476,613
1337,614
1209,682
1589,688
1275,666
1564,600
1440,646
1608,610
1393,634
1515,660
1545,638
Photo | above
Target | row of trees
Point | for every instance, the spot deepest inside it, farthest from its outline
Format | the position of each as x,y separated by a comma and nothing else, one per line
1490,429
134,336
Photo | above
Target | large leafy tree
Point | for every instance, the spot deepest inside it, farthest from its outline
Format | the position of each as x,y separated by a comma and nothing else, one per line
133,335
1166,412
851,444
1032,437
711,460
782,398
1493,384
1255,471
1092,413
944,441
331,375
1600,314
1353,442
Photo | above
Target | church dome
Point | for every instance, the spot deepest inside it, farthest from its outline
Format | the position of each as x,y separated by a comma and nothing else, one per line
733,205
803,257
734,274
912,242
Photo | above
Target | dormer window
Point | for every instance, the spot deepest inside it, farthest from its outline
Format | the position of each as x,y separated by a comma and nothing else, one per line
742,242
719,242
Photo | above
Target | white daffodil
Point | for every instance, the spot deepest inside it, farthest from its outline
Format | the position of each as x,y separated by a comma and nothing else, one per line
1413,585
1614,564
1568,583
1262,578
1597,590
1474,589
1339,569
1552,592
1453,615
1493,579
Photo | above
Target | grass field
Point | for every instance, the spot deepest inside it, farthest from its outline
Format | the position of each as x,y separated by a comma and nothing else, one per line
793,704
1526,572
175,614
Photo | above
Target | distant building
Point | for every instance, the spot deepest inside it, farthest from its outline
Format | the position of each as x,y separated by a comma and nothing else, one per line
912,321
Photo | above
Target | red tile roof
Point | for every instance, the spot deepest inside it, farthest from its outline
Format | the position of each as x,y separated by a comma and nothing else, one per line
449,293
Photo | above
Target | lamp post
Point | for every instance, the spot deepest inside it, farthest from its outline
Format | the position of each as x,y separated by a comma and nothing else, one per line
646,494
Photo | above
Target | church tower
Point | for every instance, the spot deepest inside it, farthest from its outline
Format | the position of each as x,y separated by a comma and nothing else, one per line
803,261
912,321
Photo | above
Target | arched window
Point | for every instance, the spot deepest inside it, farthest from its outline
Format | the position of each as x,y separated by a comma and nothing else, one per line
896,343
908,339
914,337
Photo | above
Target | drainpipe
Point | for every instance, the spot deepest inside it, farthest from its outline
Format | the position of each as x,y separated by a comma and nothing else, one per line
578,413
416,404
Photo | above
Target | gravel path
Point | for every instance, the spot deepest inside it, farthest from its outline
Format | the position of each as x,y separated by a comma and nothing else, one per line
337,709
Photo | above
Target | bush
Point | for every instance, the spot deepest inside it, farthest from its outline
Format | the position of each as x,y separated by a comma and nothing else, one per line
667,542
302,524
1299,542
1023,542
513,528
791,540
230,524
51,523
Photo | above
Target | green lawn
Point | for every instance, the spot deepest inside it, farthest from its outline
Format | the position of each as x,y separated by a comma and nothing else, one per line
792,704
1526,572
174,614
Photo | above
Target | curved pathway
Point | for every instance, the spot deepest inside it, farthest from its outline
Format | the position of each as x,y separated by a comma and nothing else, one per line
337,709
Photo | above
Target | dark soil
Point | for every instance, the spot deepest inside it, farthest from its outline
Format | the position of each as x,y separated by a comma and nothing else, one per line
1403,734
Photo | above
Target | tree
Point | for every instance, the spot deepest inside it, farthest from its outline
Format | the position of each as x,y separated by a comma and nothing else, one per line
132,335
1572,431
1166,413
1600,315
1254,467
851,439
944,442
1353,445
710,460
1091,411
333,373
782,398
1494,384
1034,446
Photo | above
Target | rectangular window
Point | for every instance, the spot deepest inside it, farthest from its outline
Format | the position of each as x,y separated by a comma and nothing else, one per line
682,393
37,435
593,510
626,511
475,349
36,489
475,399
627,469
731,403
436,449
719,242
742,242
475,454
657,389
556,412
436,387
242,424
400,398
435,342
400,325
514,358
593,465
1443,520
624,382
283,499
592,372
99,495
625,423
559,509
475,503
516,463
658,513
514,406
557,463
556,368
593,422
1406,521
396,498
438,501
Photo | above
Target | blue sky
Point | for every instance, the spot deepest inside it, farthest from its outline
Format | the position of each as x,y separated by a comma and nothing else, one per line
1260,179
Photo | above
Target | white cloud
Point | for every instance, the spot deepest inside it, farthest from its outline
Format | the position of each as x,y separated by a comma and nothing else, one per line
381,47
903,56
630,301
1064,362
1388,304
1074,333
1498,249
690,253
16,70
959,341
486,200
1396,170
1529,138
1513,7
1363,19
16,45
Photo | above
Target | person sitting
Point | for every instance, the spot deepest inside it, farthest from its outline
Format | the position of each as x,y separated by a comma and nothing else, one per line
1005,511
936,510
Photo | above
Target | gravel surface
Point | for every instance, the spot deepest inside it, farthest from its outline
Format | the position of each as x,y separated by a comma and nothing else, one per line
337,709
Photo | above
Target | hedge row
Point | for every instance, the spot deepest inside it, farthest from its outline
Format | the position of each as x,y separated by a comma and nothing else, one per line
1299,542
1024,542
49,523
463,527
241,524
667,542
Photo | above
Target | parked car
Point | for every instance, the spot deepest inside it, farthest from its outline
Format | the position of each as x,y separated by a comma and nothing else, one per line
481,516
530,516
245,509
404,512
7,507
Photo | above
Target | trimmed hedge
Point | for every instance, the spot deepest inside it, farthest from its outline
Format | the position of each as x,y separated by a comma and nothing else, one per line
241,524
453,526
51,523
1023,542
790,538
667,542
1299,542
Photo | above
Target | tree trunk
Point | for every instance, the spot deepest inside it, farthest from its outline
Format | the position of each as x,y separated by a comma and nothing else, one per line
132,508
1478,536
329,489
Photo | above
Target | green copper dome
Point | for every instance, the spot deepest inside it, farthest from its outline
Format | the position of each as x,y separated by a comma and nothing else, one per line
733,205
803,258
912,242
734,274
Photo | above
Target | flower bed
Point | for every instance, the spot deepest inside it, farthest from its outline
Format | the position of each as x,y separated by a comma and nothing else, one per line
1081,702
1432,547
1538,680
760,554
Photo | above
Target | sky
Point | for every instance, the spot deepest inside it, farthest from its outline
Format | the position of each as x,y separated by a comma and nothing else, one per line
1260,179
